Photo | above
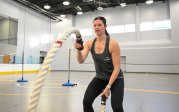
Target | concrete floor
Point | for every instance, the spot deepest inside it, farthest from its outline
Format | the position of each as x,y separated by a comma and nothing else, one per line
144,92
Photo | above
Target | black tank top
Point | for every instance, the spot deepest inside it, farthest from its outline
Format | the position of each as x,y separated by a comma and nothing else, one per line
103,62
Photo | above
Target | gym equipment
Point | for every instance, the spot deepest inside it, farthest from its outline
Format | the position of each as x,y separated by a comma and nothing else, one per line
22,78
23,49
34,99
80,41
103,104
68,83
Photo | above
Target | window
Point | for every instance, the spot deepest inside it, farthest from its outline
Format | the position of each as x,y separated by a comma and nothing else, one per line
86,32
129,27
115,29
146,26
156,25
8,30
160,25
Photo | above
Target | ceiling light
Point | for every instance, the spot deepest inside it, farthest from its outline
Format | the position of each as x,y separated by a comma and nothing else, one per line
66,3
78,7
46,6
87,0
123,4
62,15
100,8
149,1
80,13
57,19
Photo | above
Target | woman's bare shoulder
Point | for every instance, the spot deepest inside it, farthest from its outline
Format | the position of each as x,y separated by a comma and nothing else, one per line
89,42
113,41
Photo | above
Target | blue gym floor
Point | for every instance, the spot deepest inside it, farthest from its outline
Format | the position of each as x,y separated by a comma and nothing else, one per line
144,92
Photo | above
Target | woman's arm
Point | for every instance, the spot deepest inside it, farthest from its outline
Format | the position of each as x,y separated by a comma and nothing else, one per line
115,53
116,59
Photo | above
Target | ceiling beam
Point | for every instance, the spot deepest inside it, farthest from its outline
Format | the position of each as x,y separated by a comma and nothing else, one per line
38,9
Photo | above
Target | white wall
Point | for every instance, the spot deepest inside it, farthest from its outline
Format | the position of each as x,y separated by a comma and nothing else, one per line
147,51
30,25
35,31
174,15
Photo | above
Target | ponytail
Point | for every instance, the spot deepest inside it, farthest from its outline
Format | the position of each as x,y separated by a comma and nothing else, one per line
106,33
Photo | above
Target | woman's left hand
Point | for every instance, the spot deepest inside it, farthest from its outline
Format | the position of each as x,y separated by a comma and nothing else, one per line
106,92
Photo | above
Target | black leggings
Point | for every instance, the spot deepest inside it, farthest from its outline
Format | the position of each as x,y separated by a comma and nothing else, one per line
95,88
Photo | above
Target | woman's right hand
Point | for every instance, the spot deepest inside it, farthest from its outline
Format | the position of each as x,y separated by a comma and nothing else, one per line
77,45
106,92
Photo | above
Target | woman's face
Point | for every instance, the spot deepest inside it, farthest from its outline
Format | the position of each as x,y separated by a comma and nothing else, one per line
99,27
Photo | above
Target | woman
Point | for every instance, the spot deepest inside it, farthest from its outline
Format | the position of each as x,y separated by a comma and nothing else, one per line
109,77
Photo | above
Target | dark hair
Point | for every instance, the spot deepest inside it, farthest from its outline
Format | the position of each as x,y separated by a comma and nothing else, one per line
104,22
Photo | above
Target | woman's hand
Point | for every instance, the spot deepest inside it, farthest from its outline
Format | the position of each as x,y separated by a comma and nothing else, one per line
106,92
77,45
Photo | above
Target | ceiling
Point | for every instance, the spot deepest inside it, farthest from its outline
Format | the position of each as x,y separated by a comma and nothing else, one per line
57,7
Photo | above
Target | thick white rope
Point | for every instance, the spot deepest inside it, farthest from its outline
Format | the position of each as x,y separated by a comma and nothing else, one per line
103,108
34,99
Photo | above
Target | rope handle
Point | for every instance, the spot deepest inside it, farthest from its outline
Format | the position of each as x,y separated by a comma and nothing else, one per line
103,104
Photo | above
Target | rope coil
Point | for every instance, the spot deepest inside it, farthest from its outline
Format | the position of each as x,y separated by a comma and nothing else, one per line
34,99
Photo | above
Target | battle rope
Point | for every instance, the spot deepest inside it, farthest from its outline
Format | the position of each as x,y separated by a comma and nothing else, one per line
45,67
103,104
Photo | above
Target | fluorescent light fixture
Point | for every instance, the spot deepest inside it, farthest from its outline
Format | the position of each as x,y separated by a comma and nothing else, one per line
123,4
79,13
62,16
87,0
46,6
57,19
78,7
149,1
100,8
66,3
